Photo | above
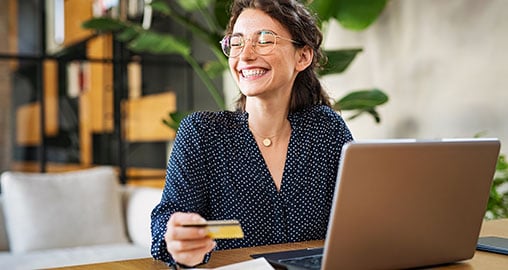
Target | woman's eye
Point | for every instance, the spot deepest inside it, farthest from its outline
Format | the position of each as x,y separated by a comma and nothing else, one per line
236,42
263,42
265,38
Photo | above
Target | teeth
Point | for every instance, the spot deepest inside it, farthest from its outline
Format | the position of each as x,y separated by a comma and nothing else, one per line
253,72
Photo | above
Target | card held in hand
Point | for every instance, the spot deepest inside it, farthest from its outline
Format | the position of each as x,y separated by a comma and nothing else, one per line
220,229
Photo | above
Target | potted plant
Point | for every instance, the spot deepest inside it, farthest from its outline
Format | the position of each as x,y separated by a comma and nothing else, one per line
497,206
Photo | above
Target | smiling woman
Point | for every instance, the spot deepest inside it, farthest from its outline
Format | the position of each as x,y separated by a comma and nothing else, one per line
303,35
251,165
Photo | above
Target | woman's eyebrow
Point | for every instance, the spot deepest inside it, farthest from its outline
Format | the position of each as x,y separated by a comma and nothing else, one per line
266,30
255,32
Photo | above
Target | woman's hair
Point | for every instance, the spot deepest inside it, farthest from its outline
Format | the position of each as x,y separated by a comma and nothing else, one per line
302,26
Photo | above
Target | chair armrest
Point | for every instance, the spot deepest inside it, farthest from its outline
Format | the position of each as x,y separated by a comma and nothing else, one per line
140,202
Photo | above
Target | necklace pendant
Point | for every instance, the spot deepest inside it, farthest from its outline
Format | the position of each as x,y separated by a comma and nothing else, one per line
267,142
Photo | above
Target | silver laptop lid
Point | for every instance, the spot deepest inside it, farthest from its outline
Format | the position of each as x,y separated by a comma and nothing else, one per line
407,203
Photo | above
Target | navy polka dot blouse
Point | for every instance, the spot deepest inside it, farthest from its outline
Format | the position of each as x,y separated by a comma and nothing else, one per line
216,169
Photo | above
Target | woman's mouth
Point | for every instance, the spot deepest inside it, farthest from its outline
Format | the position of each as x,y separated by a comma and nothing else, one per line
252,73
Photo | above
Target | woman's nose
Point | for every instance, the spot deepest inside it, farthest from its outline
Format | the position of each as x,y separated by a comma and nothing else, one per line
248,50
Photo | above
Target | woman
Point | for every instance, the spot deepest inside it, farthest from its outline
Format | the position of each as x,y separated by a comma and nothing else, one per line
272,164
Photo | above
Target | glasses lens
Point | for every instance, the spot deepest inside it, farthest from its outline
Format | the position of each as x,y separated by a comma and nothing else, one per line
265,42
225,45
236,43
232,45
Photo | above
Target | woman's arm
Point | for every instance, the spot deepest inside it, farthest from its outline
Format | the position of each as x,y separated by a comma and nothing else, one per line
184,191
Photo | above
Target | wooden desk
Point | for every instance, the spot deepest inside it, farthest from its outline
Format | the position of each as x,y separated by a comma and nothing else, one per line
481,260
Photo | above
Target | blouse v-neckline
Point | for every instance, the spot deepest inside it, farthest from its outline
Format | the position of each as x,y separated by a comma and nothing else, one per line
289,161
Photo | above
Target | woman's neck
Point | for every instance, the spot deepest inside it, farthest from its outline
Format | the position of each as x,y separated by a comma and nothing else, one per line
267,120
271,130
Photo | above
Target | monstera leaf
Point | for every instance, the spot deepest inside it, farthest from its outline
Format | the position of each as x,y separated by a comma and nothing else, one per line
351,14
362,101
338,61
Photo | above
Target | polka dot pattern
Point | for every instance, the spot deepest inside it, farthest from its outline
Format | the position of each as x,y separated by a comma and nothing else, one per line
216,170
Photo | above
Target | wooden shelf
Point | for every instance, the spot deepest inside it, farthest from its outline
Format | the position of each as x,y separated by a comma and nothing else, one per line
89,117
143,117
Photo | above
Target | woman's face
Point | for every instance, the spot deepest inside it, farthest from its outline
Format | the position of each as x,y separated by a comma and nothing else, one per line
264,76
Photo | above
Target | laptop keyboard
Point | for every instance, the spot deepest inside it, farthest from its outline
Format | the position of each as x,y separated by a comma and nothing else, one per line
308,262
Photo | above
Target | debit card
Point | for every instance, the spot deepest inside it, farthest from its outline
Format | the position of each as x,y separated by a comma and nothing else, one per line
220,229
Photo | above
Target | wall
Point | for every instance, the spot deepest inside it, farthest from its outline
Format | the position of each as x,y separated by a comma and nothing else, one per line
443,64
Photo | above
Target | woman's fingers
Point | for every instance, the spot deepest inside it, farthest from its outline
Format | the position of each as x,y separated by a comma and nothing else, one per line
187,245
185,233
191,245
180,218
175,230
194,256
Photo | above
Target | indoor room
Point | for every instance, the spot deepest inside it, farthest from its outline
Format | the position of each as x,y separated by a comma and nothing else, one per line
93,92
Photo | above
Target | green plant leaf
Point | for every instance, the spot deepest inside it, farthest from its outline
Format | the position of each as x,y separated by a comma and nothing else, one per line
214,68
205,78
161,6
361,100
372,112
221,11
338,60
188,23
325,9
174,119
502,165
358,14
103,24
497,206
157,43
129,33
194,5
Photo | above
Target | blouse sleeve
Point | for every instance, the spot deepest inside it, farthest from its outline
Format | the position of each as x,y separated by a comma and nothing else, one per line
184,189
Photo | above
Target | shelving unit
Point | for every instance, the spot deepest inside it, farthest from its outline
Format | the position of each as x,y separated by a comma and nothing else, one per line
114,117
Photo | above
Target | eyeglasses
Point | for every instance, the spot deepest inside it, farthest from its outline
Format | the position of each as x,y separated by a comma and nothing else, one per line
263,43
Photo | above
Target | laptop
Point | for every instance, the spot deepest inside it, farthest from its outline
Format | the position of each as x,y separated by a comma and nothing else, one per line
403,204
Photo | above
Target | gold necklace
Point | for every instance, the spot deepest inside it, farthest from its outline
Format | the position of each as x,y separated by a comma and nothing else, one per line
267,141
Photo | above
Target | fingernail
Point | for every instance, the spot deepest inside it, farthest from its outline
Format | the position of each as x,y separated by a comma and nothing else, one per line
198,218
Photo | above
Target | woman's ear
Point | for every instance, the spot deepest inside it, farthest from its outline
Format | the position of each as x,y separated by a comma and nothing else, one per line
304,58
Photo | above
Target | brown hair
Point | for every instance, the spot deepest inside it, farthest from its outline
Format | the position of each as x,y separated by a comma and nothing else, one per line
302,26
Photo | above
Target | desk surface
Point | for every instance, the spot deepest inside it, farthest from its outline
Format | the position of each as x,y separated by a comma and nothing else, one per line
481,260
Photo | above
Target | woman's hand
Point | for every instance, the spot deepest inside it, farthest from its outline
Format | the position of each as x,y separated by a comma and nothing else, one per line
187,245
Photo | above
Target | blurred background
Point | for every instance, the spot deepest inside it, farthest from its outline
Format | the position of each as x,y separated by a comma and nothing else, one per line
70,98
443,65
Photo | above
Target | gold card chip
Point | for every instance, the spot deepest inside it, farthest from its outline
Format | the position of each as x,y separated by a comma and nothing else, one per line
221,229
